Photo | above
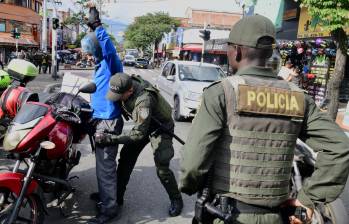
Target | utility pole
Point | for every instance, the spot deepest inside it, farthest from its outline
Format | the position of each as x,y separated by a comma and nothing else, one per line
55,25
44,27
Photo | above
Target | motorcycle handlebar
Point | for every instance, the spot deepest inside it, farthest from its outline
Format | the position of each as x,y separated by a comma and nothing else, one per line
75,120
87,110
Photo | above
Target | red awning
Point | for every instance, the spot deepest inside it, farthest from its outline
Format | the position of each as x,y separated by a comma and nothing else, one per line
21,42
192,47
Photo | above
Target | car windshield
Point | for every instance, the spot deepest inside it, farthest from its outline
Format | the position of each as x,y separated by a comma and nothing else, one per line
200,73
129,57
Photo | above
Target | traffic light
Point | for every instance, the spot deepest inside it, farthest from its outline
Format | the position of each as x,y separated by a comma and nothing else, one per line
205,34
55,23
15,33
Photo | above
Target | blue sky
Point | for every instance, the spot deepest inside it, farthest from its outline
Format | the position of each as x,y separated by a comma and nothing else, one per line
122,12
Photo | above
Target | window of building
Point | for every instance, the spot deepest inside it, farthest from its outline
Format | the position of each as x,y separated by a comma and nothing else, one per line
37,7
2,25
22,3
25,28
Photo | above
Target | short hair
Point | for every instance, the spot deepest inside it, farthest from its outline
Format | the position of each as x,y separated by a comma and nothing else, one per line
260,53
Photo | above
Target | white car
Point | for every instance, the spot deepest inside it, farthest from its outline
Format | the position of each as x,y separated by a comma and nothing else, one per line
129,60
182,83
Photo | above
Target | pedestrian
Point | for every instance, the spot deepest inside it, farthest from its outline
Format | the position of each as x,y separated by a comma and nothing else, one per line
49,62
154,124
38,60
106,114
44,63
1,64
286,71
243,137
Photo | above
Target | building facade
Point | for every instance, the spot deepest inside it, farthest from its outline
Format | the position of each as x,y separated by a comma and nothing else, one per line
185,42
21,14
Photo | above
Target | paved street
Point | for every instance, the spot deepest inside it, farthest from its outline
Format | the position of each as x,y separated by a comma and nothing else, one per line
146,200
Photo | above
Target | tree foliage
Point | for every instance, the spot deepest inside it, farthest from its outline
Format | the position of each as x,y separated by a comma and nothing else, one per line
78,17
334,17
78,39
148,29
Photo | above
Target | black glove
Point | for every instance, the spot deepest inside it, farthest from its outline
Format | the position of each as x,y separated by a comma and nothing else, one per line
93,20
104,139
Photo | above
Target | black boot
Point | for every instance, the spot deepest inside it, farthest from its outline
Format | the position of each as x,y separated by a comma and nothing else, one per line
176,207
95,197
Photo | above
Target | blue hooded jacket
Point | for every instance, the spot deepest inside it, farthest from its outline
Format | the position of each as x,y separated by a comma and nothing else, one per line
108,66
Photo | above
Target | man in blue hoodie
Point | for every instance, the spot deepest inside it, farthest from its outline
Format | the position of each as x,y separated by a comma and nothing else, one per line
107,114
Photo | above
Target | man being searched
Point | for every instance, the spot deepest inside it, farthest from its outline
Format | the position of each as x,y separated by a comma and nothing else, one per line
242,140
106,114
152,115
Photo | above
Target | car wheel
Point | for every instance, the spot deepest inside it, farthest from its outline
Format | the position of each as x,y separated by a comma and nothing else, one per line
176,110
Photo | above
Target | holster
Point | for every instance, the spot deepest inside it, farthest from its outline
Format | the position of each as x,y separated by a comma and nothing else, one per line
201,215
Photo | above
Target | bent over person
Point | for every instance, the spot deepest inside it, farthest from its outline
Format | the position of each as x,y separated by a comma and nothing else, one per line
154,124
245,132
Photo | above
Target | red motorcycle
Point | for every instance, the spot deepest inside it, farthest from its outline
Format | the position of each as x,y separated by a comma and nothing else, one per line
42,136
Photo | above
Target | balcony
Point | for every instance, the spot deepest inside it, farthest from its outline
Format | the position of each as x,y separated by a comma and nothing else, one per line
9,11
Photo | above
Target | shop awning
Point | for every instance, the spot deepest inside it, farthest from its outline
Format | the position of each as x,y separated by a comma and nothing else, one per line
192,47
21,42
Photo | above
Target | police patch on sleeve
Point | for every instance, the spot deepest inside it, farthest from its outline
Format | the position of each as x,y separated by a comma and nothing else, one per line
270,100
143,114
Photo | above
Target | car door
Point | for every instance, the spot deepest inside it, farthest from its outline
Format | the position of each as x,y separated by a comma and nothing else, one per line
162,82
172,86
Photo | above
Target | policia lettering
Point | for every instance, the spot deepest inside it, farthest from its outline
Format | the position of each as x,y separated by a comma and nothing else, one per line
270,100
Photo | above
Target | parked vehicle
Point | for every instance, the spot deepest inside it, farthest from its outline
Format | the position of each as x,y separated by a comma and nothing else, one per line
182,84
129,60
133,52
42,136
141,63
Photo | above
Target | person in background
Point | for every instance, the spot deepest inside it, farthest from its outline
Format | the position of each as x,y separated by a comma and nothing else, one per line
286,71
1,64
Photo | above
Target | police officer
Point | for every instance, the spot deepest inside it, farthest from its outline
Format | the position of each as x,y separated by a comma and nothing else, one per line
143,103
246,130
106,114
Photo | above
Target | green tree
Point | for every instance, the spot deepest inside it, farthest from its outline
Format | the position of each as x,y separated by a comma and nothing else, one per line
79,17
78,39
149,29
334,16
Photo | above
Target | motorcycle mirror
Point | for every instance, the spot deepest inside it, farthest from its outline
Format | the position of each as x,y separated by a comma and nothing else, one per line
89,87
47,145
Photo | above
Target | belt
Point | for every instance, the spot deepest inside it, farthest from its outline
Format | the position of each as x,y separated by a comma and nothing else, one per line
242,207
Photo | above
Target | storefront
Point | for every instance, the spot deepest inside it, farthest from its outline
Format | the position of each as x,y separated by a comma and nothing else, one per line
314,54
216,53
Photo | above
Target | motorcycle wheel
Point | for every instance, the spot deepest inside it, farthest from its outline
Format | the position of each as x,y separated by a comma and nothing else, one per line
31,212
332,213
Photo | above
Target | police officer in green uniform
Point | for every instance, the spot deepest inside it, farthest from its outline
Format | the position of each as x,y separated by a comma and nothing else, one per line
152,115
246,130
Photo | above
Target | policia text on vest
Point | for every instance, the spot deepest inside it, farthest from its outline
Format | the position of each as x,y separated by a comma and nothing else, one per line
269,100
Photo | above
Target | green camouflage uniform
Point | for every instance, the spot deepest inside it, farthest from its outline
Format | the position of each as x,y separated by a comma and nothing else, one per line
142,105
317,130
